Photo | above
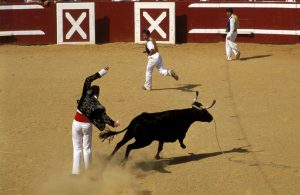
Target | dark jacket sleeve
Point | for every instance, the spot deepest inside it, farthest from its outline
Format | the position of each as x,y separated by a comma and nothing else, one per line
102,120
88,82
107,120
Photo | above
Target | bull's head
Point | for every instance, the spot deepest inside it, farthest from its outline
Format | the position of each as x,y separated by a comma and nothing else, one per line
201,110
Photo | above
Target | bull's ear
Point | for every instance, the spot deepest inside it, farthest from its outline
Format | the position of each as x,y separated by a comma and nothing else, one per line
197,95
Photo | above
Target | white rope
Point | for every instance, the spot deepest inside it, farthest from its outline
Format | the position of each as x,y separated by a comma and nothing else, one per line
217,138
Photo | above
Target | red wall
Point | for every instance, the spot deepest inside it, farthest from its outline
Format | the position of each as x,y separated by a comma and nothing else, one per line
250,18
37,19
115,23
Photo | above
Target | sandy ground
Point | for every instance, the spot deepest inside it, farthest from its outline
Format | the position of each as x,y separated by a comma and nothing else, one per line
257,109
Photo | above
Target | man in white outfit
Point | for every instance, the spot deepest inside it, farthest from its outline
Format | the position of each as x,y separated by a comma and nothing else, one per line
154,60
231,29
89,112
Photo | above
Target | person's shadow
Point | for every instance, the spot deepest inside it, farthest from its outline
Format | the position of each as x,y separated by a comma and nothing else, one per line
160,165
181,87
255,57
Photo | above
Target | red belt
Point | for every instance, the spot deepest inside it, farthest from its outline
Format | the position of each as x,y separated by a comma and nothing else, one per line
81,118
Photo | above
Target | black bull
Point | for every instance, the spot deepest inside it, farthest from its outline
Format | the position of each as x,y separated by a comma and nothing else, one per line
167,126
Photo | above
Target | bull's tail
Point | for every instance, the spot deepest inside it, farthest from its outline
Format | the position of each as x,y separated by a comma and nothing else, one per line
109,134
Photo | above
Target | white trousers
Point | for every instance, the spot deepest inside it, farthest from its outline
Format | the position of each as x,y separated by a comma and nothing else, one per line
154,61
82,142
231,45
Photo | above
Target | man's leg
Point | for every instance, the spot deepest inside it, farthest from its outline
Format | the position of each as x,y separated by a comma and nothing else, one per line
165,72
233,45
228,49
87,144
77,146
149,69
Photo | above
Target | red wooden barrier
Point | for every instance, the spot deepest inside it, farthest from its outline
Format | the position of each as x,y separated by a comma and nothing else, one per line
115,22
250,18
37,19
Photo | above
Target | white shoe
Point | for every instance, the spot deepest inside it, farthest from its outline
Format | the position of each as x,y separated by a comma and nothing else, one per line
146,88
229,59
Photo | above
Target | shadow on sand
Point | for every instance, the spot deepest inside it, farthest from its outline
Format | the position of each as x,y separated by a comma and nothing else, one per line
181,87
160,165
255,57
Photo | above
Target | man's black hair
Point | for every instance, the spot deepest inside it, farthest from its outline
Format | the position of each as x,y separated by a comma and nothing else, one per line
147,32
230,10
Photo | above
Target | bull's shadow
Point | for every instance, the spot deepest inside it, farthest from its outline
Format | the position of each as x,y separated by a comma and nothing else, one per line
181,87
160,165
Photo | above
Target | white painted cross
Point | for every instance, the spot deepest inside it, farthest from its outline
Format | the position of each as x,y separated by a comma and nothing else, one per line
76,25
155,23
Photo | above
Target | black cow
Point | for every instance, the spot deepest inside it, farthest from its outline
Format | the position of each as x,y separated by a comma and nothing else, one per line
167,126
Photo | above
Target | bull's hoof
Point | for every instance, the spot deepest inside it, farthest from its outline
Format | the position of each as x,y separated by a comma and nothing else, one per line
157,157
123,162
183,146
108,158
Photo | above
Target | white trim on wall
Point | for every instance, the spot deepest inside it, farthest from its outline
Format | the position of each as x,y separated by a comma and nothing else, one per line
22,32
18,7
245,5
246,31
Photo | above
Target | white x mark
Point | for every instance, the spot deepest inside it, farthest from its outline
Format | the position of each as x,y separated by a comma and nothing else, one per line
155,23
76,25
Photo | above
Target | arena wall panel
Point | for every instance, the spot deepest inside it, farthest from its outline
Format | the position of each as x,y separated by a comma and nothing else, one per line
28,18
114,22
194,22
75,23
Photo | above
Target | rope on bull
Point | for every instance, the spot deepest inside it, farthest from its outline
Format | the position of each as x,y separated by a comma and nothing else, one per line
240,149
217,138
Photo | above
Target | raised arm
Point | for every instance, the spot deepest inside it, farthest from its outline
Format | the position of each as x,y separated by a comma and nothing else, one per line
88,81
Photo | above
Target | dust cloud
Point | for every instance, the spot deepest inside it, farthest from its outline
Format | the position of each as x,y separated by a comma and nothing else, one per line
103,177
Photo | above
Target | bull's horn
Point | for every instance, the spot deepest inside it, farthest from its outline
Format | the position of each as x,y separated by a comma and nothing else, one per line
197,94
208,107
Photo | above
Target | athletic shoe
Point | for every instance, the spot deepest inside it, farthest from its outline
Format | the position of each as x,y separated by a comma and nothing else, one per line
174,75
229,59
238,55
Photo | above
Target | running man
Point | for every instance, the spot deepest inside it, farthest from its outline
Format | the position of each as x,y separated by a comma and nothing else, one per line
231,29
154,60
89,111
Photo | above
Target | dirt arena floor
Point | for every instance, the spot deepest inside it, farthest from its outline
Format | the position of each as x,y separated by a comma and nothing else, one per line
257,115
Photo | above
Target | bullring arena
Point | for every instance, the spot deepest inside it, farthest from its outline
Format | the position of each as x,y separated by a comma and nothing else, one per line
257,114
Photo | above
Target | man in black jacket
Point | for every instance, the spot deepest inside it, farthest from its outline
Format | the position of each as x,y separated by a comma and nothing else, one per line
89,111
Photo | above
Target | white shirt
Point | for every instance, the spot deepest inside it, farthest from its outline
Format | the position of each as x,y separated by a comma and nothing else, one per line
150,45
232,25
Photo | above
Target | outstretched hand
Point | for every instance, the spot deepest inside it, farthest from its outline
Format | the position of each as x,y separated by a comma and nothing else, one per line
104,71
116,124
